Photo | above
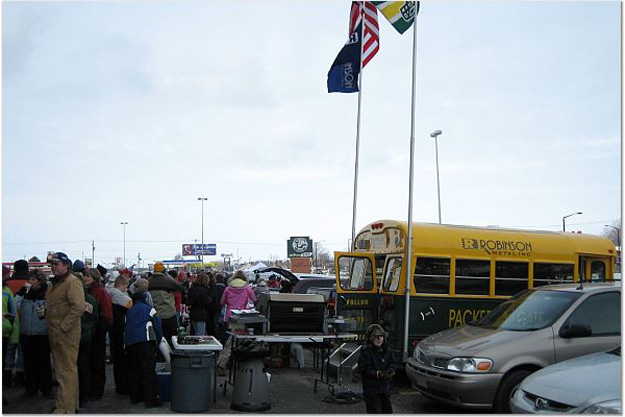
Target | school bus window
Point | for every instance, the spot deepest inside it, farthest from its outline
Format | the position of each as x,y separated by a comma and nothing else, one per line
597,271
360,275
393,272
547,273
510,277
432,275
472,277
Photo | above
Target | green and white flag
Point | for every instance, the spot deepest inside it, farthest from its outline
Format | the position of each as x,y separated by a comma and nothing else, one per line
400,14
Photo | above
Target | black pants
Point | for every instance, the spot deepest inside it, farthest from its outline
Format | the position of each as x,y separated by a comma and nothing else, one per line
84,371
210,325
142,372
37,365
120,361
378,403
170,328
98,359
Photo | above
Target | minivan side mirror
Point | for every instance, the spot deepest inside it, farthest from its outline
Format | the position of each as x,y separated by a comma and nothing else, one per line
572,330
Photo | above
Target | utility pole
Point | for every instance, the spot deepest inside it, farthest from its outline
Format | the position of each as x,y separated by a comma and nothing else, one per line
124,226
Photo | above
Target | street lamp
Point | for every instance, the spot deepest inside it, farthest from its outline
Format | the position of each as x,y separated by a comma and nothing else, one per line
564,220
202,199
124,226
618,234
435,135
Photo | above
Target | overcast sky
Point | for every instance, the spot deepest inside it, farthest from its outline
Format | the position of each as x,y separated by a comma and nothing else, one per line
130,111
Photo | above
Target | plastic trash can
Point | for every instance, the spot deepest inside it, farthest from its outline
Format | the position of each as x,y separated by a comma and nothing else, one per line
192,374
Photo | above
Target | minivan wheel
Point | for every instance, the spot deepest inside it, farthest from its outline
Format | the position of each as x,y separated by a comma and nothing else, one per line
506,388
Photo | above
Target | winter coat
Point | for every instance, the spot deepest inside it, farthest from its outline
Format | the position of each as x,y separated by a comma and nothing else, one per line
16,282
220,287
10,318
105,306
65,303
89,319
119,297
370,361
236,296
142,325
27,305
121,304
200,302
162,290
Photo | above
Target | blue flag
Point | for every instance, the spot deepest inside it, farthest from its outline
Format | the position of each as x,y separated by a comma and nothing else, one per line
343,75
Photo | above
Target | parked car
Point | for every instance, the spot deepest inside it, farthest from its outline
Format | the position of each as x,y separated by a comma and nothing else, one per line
480,365
301,282
590,384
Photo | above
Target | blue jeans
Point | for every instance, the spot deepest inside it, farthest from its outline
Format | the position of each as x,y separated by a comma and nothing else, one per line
199,328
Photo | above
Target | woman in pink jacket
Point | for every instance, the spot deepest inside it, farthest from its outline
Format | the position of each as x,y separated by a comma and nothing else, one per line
237,295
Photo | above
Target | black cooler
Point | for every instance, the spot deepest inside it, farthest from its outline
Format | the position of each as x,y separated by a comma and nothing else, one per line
296,313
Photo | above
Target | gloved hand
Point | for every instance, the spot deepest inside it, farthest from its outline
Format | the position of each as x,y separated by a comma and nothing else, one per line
388,374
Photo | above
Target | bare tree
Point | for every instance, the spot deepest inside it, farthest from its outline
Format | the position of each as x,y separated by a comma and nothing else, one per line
613,232
325,260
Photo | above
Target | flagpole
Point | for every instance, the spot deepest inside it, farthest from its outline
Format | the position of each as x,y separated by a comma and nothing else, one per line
362,28
410,186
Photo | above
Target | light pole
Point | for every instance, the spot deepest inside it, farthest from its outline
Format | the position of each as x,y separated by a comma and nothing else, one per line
564,220
202,199
124,227
618,234
435,135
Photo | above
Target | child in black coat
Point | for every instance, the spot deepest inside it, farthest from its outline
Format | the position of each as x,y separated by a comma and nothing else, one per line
375,368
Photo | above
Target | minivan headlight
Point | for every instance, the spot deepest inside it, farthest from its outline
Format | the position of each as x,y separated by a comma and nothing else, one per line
605,407
415,353
471,365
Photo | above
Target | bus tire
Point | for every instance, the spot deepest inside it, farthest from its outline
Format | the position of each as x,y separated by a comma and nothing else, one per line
506,388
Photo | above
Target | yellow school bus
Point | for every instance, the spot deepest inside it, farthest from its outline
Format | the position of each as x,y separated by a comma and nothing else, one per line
459,273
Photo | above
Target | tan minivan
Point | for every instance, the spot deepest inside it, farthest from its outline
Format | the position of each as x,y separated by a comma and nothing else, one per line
480,365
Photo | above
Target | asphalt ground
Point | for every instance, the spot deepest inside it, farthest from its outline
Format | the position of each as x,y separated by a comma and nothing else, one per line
290,392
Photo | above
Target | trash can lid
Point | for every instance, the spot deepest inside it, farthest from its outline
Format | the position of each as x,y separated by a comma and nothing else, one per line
194,352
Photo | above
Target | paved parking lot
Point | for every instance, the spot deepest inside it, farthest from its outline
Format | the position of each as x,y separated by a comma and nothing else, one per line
291,392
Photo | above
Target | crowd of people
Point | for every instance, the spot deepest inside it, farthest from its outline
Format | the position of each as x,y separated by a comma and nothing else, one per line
56,329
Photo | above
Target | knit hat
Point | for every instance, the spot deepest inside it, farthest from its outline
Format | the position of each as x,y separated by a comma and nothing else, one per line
126,272
20,269
173,273
59,256
159,267
373,331
78,266
102,270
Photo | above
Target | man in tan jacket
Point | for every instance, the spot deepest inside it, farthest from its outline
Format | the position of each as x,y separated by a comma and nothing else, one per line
65,303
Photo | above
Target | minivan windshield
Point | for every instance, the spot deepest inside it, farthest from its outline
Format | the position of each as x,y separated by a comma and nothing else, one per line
530,310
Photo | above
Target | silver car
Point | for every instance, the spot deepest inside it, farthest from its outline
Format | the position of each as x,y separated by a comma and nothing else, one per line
590,384
480,365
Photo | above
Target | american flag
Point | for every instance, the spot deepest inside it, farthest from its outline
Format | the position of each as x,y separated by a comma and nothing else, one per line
371,35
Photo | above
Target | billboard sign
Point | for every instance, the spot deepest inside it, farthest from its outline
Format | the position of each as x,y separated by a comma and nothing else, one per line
192,249
299,247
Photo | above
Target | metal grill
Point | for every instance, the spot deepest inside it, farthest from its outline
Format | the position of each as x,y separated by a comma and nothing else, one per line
432,361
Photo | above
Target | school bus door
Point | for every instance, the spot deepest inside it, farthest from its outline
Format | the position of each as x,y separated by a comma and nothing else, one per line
595,269
356,290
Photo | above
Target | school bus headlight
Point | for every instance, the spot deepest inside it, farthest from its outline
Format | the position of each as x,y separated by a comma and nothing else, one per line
470,365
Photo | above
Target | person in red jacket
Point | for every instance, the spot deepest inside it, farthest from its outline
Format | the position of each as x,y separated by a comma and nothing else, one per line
92,280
